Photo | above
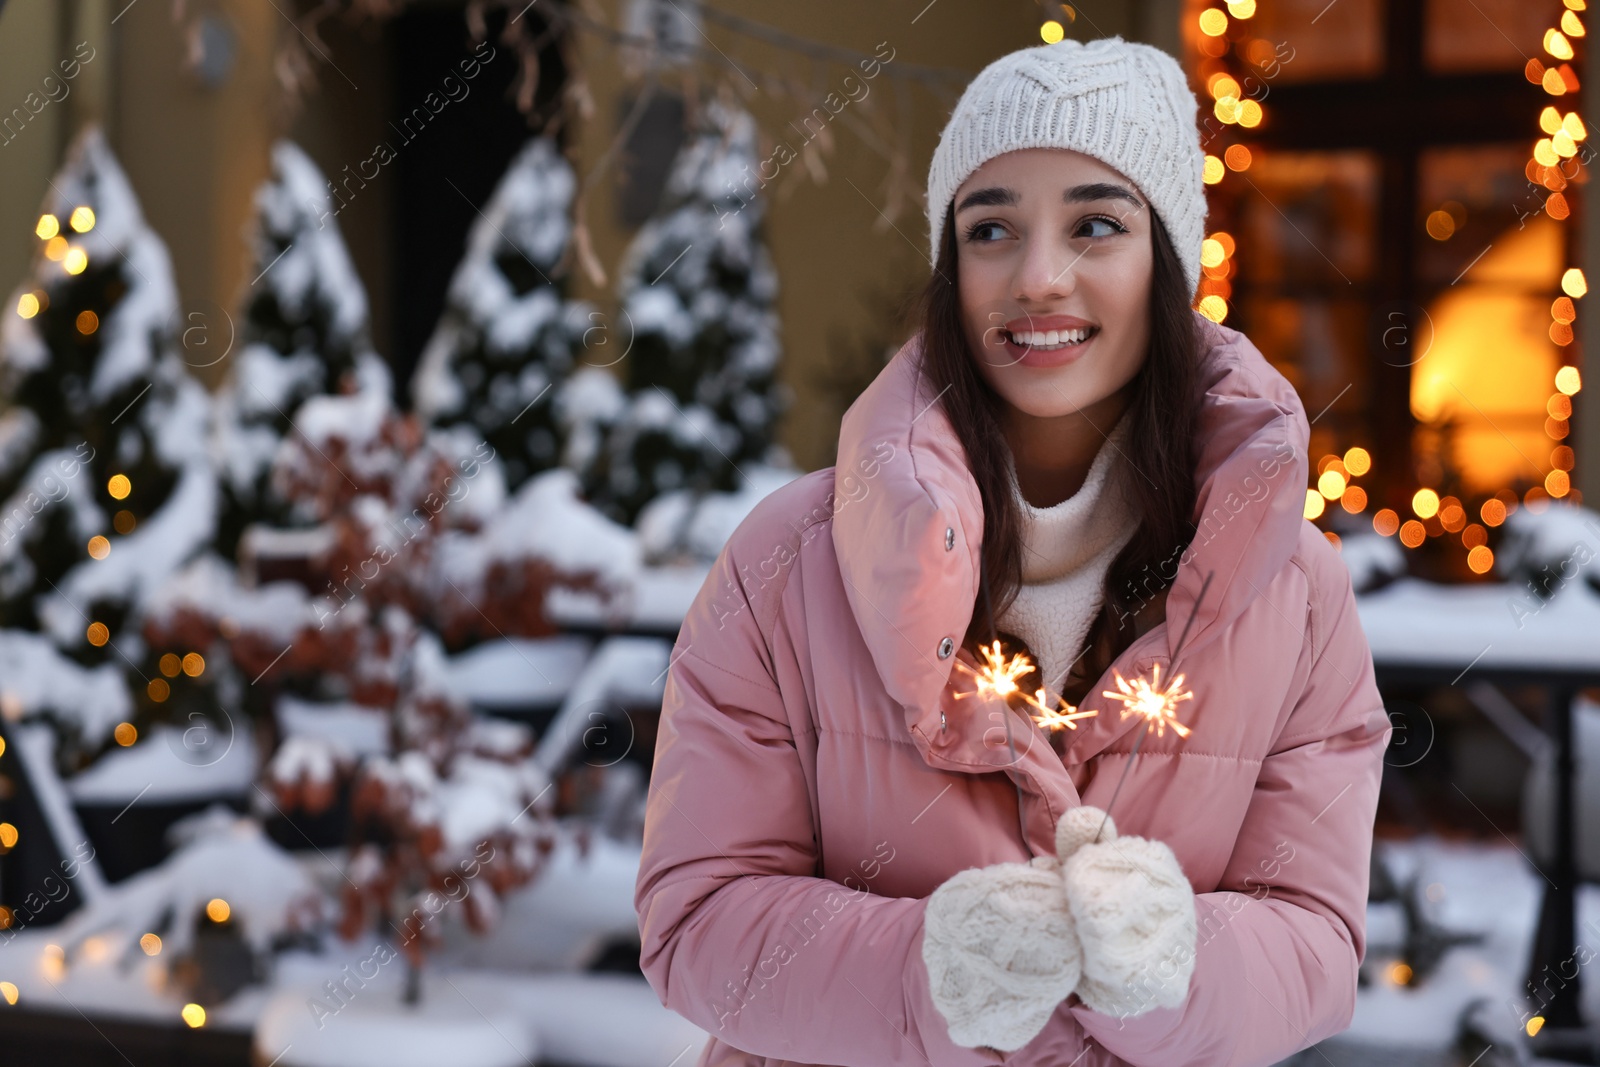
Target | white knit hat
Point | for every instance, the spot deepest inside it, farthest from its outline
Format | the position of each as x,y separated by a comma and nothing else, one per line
1127,104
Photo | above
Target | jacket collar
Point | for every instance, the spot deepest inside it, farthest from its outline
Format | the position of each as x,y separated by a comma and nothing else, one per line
908,526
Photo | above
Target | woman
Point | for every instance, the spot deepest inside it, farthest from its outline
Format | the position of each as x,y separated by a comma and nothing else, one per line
849,858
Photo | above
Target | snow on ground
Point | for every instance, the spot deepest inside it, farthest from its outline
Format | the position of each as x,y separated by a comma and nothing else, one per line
1413,621
1489,888
518,671
562,919
172,763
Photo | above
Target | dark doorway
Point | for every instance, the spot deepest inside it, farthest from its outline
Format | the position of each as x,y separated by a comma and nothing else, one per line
447,166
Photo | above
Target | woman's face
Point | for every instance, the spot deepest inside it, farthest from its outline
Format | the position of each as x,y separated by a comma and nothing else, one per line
1049,241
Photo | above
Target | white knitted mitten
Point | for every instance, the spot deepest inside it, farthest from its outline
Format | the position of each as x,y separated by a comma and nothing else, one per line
1001,952
1135,916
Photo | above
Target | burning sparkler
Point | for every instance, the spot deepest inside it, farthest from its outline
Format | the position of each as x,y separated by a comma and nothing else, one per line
1157,705
998,676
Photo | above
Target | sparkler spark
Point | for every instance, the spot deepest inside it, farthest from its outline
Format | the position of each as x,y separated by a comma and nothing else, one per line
1158,706
998,676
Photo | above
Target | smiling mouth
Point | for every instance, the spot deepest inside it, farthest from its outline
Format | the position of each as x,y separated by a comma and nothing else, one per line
1050,340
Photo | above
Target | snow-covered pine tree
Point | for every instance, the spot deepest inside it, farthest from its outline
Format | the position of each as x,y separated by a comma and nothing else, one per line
304,333
698,289
105,485
508,336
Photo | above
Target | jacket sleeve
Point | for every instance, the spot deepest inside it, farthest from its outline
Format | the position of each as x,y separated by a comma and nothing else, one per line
1279,942
738,934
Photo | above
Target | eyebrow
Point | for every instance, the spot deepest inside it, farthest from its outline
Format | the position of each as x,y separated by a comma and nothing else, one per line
1004,196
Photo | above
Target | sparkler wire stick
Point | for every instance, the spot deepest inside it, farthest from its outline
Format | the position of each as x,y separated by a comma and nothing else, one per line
994,632
1177,651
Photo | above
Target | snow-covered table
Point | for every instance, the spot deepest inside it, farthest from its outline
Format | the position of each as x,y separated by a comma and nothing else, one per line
1430,634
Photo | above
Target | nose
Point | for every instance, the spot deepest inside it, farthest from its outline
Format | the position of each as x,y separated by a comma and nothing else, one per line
1046,273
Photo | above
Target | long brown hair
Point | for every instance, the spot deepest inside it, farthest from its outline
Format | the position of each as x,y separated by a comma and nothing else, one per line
1162,414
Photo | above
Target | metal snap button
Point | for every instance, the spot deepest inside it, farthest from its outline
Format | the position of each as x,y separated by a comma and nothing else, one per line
949,538
946,647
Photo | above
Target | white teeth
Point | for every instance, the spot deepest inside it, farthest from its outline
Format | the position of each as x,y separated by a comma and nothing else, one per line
1050,338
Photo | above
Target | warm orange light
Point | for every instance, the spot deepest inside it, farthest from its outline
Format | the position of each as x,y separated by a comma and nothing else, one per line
1561,458
1493,511
75,261
27,305
99,547
1473,536
1386,522
97,633
1314,504
1399,973
1213,171
1535,1024
217,910
119,486
1213,23
47,227
1573,282
1331,484
151,943
1568,380
1480,559
9,991
87,322
158,689
1557,483
125,733
1357,461
1237,157
1425,503
8,835
1221,85
194,1015
1354,500
1412,533
82,219
1453,518
171,664
1556,429
193,664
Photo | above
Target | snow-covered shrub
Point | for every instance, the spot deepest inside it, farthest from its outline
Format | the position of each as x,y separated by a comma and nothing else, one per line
304,333
698,291
105,483
509,337
1548,548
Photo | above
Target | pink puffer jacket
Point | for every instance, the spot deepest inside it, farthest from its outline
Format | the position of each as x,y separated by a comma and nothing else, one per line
815,778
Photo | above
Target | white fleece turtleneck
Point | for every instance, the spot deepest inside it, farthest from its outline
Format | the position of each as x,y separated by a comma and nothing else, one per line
1066,551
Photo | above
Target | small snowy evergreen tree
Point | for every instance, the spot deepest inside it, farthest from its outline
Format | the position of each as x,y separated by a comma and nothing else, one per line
105,485
304,333
698,288
508,336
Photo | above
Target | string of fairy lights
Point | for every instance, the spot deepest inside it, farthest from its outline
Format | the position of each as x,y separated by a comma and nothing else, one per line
74,260
1552,165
